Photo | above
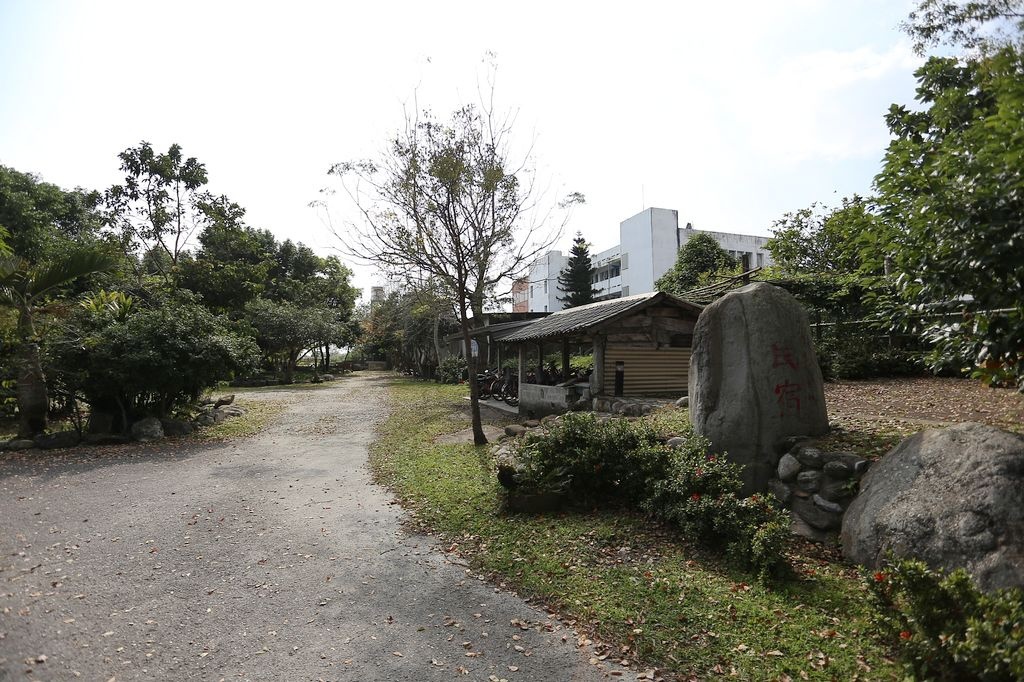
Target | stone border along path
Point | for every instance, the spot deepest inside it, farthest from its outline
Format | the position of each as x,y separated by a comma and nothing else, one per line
267,558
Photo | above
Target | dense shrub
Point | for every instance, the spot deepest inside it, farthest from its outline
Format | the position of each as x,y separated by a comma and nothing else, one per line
452,370
601,464
624,463
945,628
148,361
856,355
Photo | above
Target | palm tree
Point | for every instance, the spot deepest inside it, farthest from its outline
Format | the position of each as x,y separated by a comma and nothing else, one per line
23,286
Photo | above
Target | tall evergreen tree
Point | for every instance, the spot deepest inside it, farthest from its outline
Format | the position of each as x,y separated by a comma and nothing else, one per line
576,279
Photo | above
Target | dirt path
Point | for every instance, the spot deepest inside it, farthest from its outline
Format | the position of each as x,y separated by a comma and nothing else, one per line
271,558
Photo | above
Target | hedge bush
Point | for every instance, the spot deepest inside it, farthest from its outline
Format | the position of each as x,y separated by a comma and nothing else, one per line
624,463
944,627
452,370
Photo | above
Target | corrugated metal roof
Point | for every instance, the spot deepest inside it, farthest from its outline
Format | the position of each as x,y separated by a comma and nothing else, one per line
575,320
498,331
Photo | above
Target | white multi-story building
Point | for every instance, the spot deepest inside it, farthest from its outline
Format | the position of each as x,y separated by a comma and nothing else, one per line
648,244
542,294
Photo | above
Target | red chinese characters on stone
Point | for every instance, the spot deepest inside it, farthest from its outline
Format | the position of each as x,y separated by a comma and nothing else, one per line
786,393
788,398
782,356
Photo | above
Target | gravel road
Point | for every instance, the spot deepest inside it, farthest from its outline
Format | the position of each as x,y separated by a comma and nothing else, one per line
268,558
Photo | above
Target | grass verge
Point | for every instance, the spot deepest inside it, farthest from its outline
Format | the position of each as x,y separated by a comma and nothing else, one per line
621,579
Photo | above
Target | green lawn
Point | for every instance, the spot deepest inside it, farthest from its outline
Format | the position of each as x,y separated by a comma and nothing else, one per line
629,583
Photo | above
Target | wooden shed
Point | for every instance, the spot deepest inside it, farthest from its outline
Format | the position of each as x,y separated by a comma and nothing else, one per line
641,346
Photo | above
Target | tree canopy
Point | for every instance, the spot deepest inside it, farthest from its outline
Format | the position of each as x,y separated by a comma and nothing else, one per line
447,203
107,300
700,255
951,196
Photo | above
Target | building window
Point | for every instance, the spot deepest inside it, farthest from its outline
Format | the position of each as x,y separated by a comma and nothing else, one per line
545,286
531,291
615,271
760,260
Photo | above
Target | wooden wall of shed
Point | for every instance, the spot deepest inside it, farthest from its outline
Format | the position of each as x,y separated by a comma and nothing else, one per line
655,346
666,370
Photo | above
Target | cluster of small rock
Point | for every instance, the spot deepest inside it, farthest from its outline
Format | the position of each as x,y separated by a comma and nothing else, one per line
817,487
144,431
632,407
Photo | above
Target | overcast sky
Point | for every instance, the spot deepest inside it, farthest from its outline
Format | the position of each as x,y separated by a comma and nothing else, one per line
731,113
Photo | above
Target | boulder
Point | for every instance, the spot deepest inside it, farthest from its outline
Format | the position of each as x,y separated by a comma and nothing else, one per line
204,419
783,493
809,457
837,470
857,464
805,530
228,411
531,423
821,503
754,378
819,518
787,443
20,444
515,430
676,442
809,480
176,427
837,490
54,441
683,402
105,439
788,468
147,429
953,498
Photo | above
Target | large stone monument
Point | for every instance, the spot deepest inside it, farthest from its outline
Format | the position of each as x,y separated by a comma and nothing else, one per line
754,378
953,498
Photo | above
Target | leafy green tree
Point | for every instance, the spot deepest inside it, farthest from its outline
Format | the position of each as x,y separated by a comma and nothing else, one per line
25,288
951,195
160,204
233,263
822,240
700,255
447,203
575,281
283,331
131,360
985,24
42,219
406,328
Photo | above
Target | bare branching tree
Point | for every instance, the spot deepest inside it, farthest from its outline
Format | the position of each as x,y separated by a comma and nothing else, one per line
445,202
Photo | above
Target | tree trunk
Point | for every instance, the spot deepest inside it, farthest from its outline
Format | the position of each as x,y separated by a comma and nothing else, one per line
33,402
290,359
474,390
327,357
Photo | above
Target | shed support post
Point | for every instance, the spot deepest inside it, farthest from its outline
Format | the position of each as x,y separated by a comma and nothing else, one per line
540,362
597,378
522,365
565,359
